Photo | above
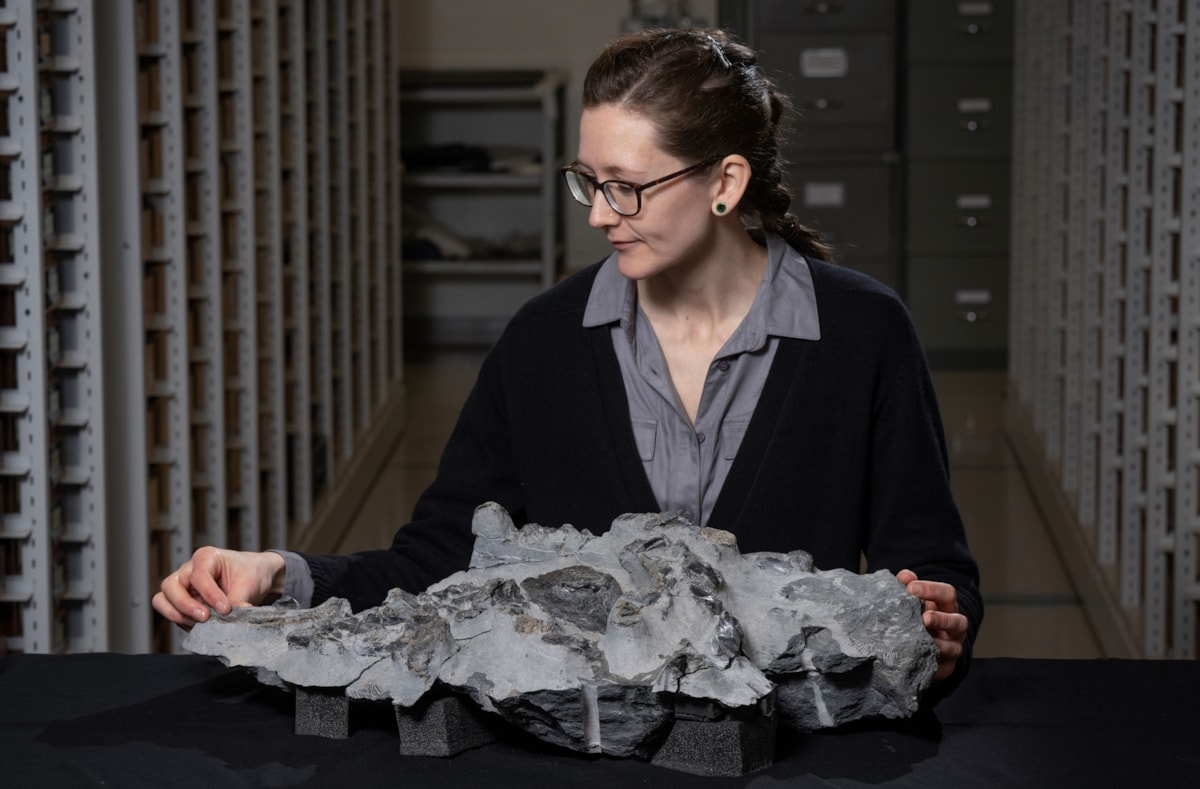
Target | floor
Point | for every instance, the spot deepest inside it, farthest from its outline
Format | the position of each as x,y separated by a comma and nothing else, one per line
1031,608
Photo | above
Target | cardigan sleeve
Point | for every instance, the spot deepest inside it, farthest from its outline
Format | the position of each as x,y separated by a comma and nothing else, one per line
476,467
914,522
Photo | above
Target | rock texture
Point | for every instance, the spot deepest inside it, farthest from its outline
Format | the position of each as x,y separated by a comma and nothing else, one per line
594,642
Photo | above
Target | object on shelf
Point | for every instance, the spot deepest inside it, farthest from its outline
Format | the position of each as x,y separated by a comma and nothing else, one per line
426,238
461,157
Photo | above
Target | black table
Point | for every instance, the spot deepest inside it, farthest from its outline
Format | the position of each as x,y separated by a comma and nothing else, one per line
179,721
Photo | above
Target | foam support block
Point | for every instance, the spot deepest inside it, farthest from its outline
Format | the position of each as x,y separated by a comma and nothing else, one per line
719,748
443,727
323,712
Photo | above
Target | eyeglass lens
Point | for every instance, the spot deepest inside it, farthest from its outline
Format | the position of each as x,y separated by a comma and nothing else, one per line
622,198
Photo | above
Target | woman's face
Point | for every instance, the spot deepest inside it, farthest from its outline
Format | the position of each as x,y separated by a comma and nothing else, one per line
675,221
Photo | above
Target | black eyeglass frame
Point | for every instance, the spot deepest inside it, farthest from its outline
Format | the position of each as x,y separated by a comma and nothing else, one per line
602,186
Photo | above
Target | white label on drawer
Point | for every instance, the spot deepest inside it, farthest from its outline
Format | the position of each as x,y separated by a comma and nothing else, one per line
973,202
826,194
982,104
824,63
974,9
972,296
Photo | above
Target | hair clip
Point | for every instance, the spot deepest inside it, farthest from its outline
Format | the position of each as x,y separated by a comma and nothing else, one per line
720,52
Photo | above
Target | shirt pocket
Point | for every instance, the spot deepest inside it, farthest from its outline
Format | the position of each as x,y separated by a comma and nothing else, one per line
644,433
732,432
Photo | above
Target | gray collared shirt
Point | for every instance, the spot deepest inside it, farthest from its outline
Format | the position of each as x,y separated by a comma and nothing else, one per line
687,463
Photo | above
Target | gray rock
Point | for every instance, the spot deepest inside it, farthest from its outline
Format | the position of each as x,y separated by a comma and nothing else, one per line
593,642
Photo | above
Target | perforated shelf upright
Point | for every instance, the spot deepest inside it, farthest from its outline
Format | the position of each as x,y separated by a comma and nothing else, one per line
53,575
196,135
268,284
202,191
295,260
320,251
1106,363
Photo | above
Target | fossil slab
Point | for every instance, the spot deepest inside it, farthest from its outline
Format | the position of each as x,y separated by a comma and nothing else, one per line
594,642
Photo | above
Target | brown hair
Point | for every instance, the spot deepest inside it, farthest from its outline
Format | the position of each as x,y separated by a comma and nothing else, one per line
707,97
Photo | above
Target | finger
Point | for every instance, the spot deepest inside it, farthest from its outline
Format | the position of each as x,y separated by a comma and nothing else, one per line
950,625
205,586
906,577
949,650
177,592
169,612
944,596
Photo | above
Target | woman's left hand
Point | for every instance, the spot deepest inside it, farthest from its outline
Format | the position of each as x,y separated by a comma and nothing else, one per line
942,619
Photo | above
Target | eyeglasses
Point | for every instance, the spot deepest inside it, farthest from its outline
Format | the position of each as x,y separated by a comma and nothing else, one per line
623,197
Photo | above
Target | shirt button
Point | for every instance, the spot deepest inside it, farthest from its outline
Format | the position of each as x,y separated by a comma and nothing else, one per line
700,438
723,366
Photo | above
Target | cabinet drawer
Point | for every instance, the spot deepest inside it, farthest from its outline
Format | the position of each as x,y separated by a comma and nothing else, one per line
960,110
959,304
852,204
959,30
958,207
834,79
806,15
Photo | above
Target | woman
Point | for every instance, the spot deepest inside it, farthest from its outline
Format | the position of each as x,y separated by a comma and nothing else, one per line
714,364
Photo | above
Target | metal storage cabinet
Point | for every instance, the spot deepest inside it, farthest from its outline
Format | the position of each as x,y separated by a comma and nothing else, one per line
962,302
957,130
792,16
961,30
837,61
962,112
834,81
483,231
854,205
958,207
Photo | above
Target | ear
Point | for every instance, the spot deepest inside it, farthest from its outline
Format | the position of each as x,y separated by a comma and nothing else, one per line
732,179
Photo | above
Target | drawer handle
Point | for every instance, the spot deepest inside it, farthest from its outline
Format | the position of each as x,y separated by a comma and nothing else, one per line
974,125
823,105
973,316
824,8
972,221
974,28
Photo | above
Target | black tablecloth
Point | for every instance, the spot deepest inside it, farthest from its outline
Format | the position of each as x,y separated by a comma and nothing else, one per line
160,720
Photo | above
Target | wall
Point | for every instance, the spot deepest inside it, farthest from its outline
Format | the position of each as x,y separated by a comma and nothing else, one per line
565,34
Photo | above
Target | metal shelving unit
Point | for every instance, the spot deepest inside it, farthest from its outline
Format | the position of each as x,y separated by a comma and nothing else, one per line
505,216
1106,315
53,576
294,174
206,369
268,286
320,252
219,176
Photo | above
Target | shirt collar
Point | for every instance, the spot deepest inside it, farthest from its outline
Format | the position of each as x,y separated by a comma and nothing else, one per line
786,304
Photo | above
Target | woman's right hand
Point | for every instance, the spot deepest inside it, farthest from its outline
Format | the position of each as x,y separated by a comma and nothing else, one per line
219,579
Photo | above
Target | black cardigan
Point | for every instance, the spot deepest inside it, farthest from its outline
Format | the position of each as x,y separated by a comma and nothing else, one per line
845,454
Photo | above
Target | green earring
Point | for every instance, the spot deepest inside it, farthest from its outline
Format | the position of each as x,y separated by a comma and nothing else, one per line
720,208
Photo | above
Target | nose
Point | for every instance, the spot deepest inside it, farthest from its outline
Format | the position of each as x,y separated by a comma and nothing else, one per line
601,213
